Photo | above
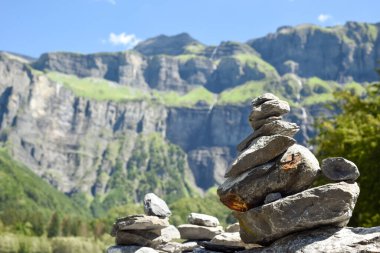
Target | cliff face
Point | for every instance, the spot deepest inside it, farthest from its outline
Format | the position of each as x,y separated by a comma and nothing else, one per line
83,143
337,53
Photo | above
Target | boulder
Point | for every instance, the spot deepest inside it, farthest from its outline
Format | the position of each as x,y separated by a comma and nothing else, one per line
259,123
261,150
155,206
139,222
130,249
203,220
263,98
274,127
268,109
271,197
233,228
195,232
330,204
290,173
327,239
340,169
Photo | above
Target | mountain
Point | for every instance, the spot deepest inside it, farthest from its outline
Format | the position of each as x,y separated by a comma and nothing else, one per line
106,128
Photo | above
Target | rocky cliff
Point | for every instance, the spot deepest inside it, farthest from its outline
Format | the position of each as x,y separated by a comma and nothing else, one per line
167,115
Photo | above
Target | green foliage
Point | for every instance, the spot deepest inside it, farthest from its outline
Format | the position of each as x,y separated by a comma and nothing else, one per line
193,97
255,62
243,93
355,135
54,228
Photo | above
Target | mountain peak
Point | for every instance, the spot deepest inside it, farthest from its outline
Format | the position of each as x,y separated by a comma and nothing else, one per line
170,45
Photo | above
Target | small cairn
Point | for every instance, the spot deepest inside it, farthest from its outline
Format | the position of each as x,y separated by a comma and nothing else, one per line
144,232
267,185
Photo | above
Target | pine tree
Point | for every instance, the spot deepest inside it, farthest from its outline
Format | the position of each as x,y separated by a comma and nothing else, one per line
54,227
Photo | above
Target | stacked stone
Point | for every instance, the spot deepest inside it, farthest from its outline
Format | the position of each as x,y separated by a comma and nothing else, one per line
200,227
150,230
267,184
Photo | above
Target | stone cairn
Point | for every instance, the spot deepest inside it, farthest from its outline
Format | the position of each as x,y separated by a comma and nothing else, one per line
267,185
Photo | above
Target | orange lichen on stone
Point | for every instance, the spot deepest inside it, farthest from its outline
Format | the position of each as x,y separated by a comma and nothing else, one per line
234,202
290,162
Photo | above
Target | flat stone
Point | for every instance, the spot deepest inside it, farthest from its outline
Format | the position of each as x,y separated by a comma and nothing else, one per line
268,109
170,247
170,233
155,206
130,249
231,239
233,228
203,220
149,238
259,123
139,222
274,127
188,246
327,239
263,98
330,204
292,172
271,197
340,169
261,150
195,232
220,248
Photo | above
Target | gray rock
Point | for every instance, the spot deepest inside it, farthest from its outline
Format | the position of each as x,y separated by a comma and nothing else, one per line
170,233
330,204
170,247
231,239
327,239
256,124
188,246
293,171
274,127
130,249
140,222
220,248
261,150
153,205
263,98
269,109
233,228
203,220
271,197
339,169
195,232
149,238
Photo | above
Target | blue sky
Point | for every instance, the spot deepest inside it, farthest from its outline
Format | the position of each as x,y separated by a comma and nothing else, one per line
32,27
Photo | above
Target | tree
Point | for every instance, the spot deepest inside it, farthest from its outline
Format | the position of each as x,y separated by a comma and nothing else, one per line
355,135
54,227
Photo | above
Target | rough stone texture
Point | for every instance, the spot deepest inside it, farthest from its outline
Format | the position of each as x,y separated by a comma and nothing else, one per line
220,248
170,247
141,222
339,169
263,98
271,197
203,220
153,205
327,239
261,150
293,171
231,239
194,232
130,249
275,127
233,228
170,233
188,246
149,238
256,124
330,204
269,109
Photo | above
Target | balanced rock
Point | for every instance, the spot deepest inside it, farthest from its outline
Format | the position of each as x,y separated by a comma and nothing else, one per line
263,98
195,232
203,220
330,204
268,109
155,206
139,222
272,128
130,249
259,123
261,150
233,228
340,169
290,173
327,239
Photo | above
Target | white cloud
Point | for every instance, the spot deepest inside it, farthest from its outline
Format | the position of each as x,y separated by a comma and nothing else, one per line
122,39
324,17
